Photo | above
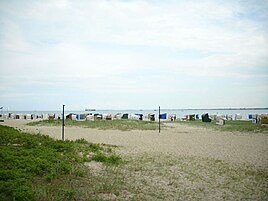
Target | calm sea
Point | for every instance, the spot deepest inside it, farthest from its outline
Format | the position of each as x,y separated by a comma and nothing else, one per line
178,112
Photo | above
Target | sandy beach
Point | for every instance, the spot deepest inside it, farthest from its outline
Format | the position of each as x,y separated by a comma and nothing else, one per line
174,140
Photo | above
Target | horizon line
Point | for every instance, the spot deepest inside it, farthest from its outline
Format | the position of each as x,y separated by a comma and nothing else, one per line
228,108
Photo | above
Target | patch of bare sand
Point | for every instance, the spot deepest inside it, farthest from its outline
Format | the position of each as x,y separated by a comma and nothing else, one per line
177,140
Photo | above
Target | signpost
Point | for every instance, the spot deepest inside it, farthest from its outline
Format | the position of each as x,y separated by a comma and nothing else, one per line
62,134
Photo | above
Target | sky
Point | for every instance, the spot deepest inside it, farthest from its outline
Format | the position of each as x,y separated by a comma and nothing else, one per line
133,54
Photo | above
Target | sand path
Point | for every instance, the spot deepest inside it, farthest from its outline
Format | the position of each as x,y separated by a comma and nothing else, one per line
177,139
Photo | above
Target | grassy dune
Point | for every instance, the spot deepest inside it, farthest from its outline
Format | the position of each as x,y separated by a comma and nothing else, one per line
125,125
102,124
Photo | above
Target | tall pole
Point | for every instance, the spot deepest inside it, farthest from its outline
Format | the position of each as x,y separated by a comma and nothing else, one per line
62,134
159,119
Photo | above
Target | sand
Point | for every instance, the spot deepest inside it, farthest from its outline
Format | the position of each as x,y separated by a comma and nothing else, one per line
175,140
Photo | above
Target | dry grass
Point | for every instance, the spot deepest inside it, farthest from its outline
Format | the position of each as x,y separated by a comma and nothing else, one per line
163,177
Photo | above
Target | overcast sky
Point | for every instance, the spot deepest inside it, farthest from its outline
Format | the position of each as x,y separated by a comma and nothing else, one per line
133,54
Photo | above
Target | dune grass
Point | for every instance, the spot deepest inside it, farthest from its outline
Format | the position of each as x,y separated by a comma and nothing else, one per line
123,125
235,125
162,177
32,165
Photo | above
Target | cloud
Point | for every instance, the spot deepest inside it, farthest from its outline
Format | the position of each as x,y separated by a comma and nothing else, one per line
138,47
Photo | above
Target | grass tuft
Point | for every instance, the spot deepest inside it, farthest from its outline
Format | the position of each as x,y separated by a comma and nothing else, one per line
112,159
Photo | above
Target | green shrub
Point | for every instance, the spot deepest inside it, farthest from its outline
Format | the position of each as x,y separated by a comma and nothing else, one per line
112,159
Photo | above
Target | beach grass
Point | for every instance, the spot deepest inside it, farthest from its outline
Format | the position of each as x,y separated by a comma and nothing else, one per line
234,125
165,177
37,167
162,177
123,125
